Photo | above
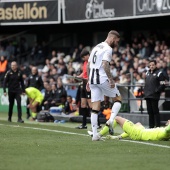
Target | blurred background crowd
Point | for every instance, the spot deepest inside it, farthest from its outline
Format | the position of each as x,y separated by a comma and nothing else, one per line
130,58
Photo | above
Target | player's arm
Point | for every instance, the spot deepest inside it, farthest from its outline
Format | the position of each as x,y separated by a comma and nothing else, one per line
106,67
162,82
22,83
88,69
118,137
88,73
6,78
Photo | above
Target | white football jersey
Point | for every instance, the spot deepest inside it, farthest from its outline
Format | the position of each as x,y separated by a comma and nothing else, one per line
99,53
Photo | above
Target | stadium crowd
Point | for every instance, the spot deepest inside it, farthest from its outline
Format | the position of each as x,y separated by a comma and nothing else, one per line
53,65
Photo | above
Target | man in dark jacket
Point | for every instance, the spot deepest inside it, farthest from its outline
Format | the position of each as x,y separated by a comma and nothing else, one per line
15,83
34,80
154,85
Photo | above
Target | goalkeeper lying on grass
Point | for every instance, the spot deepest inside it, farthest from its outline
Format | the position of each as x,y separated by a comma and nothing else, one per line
138,131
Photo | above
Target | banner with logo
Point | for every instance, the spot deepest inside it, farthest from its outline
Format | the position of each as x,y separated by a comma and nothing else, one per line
79,11
152,7
21,12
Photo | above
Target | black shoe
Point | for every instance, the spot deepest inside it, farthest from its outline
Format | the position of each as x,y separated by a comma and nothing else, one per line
99,126
20,121
111,131
81,127
28,116
9,120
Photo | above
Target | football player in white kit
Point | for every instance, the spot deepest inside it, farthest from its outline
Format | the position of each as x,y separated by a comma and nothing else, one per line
101,82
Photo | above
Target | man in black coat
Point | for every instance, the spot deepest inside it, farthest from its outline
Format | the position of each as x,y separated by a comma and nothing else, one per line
14,81
154,85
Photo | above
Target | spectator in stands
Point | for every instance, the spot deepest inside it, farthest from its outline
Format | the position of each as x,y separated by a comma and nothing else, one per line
46,67
62,68
53,97
123,78
23,50
106,105
53,57
61,92
70,106
76,54
113,69
52,80
47,97
4,52
3,69
165,70
71,70
138,92
25,69
11,49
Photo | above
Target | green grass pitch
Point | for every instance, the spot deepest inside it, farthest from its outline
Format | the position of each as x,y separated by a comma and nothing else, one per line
50,146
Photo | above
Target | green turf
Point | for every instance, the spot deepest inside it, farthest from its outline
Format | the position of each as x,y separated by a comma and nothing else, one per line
25,148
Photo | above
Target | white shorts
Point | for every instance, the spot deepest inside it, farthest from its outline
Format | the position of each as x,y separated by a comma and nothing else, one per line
98,91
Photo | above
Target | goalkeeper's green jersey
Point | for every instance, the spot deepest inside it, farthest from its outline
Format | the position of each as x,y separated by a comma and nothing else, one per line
34,94
140,133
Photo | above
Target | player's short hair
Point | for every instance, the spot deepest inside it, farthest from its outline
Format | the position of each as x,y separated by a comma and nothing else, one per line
84,53
113,32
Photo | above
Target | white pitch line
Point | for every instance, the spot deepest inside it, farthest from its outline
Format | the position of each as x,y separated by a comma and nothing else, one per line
71,133
145,143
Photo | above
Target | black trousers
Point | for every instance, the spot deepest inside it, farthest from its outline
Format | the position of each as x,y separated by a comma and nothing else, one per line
28,110
12,96
153,111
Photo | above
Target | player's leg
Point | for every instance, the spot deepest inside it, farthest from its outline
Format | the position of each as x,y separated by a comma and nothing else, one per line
84,110
96,97
18,99
115,109
33,107
28,110
121,122
11,98
150,113
115,95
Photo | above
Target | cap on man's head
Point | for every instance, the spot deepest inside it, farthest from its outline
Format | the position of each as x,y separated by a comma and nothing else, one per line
84,53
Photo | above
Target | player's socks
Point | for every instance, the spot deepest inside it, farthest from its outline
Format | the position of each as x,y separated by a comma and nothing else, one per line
114,123
124,135
34,115
104,131
94,123
115,109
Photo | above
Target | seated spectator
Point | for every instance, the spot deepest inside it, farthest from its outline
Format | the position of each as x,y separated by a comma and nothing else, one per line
138,92
53,98
61,92
70,106
47,97
53,57
106,107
